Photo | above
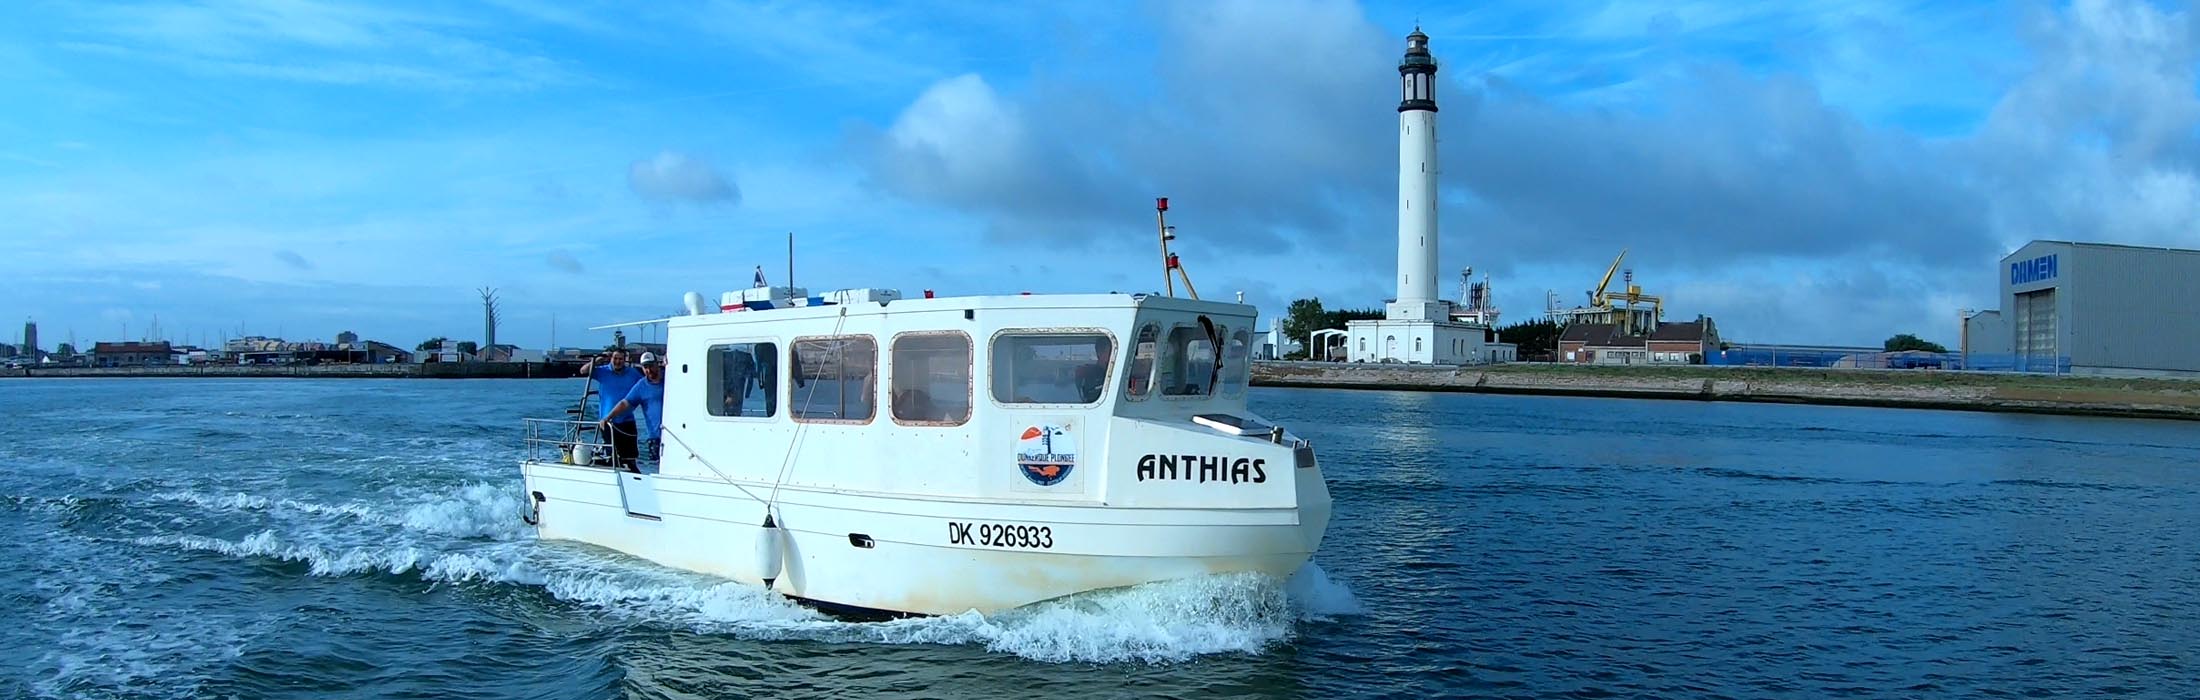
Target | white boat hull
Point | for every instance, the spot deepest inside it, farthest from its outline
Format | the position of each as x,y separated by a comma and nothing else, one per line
913,555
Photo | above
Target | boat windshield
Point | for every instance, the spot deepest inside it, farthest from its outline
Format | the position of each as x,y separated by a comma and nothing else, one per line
1188,363
1050,368
1237,365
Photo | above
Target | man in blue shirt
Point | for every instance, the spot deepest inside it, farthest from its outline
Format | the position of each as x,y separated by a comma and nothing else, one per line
648,399
613,382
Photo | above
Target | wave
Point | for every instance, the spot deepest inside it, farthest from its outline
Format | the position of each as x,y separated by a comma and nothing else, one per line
2051,484
1160,622
1759,476
478,510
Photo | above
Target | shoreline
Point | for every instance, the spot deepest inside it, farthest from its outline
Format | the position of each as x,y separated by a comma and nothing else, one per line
2175,399
1921,389
423,370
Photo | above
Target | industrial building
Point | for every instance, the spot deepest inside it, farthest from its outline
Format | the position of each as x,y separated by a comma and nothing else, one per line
1666,344
2091,308
1417,327
133,354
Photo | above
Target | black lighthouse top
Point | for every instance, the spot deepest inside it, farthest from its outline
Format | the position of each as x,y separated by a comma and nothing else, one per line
1417,75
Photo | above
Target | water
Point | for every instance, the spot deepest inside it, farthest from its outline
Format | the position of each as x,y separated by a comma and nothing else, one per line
359,538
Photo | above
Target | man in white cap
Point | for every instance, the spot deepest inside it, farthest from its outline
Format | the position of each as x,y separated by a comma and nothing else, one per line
647,399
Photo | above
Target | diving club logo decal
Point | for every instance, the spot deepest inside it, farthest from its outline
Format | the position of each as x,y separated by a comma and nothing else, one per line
1046,453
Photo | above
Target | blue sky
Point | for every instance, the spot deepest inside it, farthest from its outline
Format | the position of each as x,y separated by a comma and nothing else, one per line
1805,172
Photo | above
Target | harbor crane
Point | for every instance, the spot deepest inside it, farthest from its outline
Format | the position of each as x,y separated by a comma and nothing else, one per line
1601,299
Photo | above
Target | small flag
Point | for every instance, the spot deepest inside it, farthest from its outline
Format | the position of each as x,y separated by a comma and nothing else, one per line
760,277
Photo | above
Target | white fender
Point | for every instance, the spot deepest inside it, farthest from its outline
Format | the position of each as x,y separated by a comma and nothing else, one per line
582,454
770,546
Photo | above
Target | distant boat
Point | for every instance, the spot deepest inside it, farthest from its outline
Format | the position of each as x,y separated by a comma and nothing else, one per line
936,456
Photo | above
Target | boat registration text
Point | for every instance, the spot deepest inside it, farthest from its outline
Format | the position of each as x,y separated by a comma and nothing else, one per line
993,535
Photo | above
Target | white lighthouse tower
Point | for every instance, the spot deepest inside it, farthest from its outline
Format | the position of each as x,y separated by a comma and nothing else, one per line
1417,327
1417,185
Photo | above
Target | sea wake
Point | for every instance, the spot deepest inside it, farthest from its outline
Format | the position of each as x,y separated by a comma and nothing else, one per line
472,536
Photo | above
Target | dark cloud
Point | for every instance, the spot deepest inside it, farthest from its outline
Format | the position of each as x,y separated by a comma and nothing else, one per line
565,262
293,259
676,177
1271,127
1736,168
1250,161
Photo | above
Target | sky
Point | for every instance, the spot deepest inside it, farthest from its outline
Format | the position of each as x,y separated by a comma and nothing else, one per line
1803,172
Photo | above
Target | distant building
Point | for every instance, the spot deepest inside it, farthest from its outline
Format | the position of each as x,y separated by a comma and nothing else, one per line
378,352
445,351
1271,345
2090,308
1671,344
1684,343
30,342
133,354
347,338
1784,355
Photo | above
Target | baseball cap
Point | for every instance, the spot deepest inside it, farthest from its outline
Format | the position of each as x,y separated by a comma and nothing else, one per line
649,358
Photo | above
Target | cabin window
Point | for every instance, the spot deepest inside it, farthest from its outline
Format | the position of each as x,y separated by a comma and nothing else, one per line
1190,361
835,378
743,379
1142,361
1059,368
931,378
1237,368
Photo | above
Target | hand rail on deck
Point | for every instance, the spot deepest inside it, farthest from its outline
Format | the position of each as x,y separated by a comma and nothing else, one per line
553,440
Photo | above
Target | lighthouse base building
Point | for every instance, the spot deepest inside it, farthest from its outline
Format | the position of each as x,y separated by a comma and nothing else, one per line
1429,342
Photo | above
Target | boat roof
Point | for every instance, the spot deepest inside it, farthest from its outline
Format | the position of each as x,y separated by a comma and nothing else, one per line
1112,300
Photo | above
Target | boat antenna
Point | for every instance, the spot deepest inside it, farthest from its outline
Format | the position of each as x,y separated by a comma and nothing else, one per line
1161,221
1170,265
790,260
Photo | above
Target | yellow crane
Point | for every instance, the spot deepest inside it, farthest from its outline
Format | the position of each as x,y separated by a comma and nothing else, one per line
1596,296
1625,320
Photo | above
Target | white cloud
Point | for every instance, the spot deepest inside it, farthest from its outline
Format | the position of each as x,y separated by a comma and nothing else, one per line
680,178
314,41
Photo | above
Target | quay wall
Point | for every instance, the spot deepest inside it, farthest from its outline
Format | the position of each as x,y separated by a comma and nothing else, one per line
424,370
2147,398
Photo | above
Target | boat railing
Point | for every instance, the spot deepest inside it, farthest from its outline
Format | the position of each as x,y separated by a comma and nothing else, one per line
566,442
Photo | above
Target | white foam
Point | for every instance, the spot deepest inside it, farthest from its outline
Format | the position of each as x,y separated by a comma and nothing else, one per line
471,535
1318,598
475,510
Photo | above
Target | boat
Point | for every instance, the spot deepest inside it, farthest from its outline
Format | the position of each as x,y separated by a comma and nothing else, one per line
873,455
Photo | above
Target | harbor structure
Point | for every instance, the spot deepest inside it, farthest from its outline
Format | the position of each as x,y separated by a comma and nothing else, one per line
2090,308
1620,309
1685,343
1418,327
490,316
133,354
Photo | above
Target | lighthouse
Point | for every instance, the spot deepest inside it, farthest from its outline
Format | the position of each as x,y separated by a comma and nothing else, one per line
1418,327
1417,185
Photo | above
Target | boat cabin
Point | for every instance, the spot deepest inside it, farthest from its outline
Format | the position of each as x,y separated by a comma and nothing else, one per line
1019,397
